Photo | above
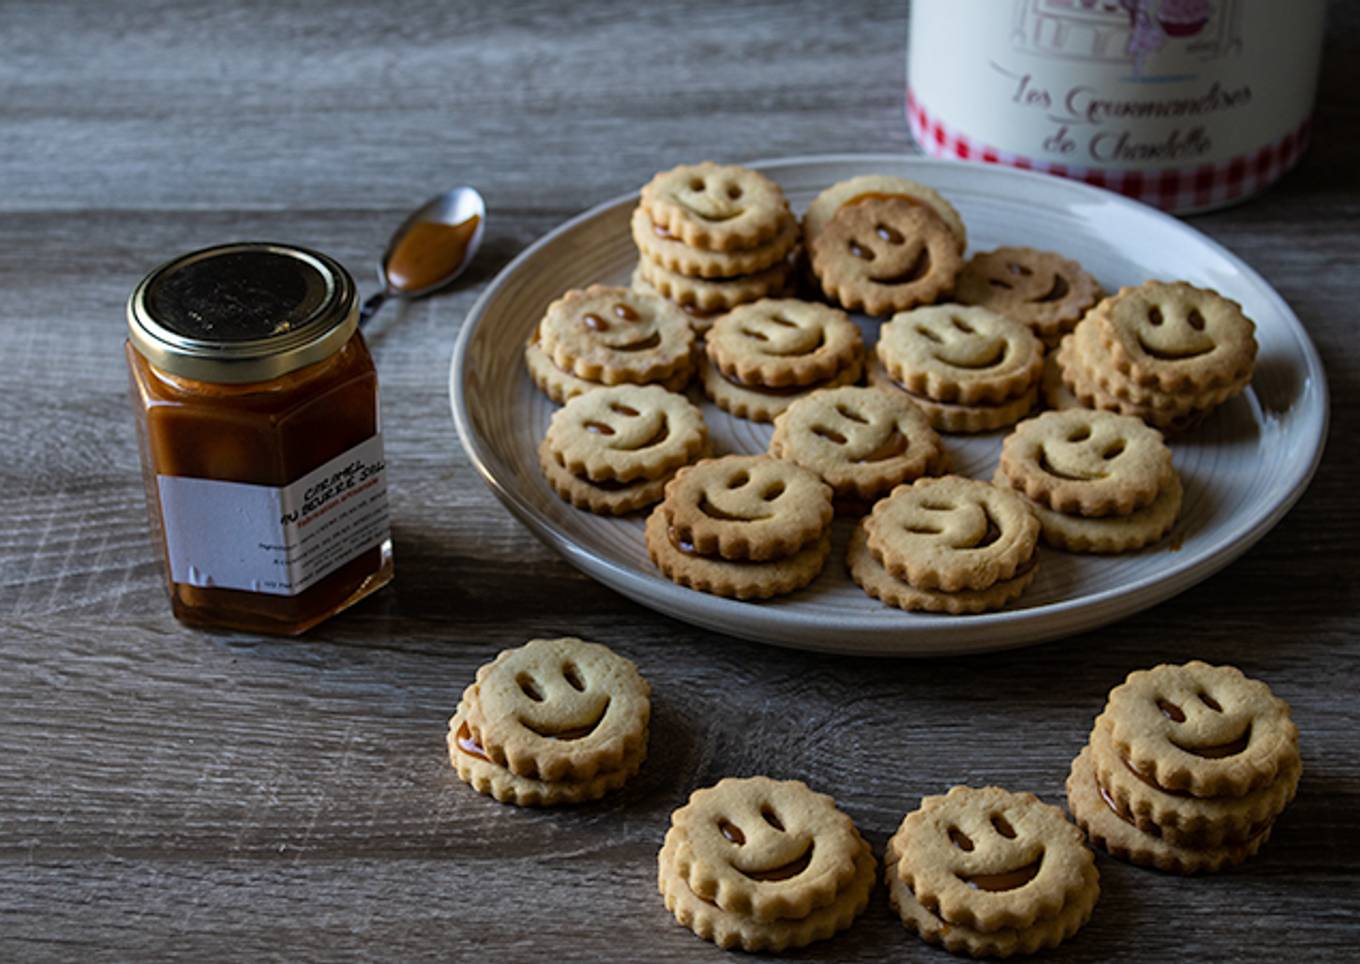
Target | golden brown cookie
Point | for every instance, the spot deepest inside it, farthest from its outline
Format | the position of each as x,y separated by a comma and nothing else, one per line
1082,462
989,859
1044,290
869,574
860,441
558,710
714,294
486,776
1206,730
562,386
747,507
626,433
656,244
956,418
735,579
879,187
952,533
885,256
960,354
1007,942
1112,533
716,207
1177,337
762,404
614,335
602,498
783,342
764,865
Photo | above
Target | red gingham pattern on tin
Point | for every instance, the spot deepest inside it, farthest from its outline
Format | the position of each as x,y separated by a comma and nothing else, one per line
1184,189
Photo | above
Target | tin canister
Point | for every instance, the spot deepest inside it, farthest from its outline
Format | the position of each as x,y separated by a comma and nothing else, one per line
1185,104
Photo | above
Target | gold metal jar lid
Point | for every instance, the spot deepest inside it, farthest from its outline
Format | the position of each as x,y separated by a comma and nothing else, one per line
245,312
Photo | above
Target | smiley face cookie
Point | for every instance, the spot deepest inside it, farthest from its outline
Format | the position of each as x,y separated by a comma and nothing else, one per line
659,246
860,441
563,714
880,187
1044,290
1187,768
764,864
615,335
960,354
625,433
885,256
715,207
952,534
783,342
988,872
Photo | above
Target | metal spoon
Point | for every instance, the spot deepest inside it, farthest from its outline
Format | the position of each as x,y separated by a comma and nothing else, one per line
432,247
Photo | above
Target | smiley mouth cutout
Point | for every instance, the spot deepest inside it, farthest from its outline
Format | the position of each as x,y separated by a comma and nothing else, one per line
1217,751
784,871
718,216
713,512
996,357
1004,880
916,272
1048,467
1055,293
570,732
645,344
1167,354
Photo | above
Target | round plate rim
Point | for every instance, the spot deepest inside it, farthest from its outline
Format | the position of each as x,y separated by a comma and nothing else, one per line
943,634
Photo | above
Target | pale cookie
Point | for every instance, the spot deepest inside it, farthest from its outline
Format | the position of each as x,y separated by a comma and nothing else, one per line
562,386
731,578
715,294
558,709
626,433
860,441
960,354
1177,337
879,187
717,207
1207,730
783,342
1107,829
1085,352
955,418
485,776
989,859
1112,533
869,574
1088,463
614,335
729,930
1041,289
602,498
764,849
1007,942
747,507
885,256
761,404
656,244
1183,820
952,533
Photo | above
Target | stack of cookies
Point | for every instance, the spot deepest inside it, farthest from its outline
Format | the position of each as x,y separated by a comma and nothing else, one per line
863,442
1187,768
990,873
950,544
612,450
1168,353
743,526
555,721
970,369
1041,289
1098,482
759,358
609,336
764,865
713,236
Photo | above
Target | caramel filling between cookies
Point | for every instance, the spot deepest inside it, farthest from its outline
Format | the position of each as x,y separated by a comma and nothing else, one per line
1153,830
918,270
468,745
783,872
1217,751
782,392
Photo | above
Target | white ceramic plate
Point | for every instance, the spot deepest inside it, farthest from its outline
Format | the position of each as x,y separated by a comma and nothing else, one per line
1242,468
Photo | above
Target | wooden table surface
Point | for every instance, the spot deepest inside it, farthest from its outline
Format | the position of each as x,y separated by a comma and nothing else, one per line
172,793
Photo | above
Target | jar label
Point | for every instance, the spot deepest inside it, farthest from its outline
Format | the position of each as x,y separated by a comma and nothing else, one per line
276,540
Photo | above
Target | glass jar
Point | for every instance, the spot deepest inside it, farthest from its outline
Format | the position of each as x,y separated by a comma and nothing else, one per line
256,403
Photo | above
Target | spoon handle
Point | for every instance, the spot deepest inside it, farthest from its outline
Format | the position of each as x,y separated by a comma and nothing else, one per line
370,307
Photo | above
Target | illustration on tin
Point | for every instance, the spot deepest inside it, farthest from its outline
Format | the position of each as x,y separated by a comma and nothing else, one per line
1128,31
